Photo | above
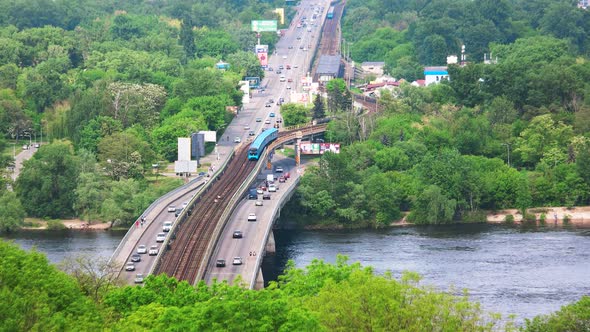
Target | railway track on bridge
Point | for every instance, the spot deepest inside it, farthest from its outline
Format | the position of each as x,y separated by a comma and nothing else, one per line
182,260
186,253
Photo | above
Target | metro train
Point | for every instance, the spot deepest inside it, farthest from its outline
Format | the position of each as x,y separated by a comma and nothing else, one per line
257,147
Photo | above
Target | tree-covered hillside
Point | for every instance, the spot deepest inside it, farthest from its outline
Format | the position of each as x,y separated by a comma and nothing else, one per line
113,84
511,134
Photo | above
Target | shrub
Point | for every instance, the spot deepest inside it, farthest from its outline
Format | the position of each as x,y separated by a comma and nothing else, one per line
528,218
474,217
542,218
55,225
566,219
509,219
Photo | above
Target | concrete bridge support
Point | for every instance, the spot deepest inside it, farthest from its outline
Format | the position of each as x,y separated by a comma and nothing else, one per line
297,152
259,280
270,244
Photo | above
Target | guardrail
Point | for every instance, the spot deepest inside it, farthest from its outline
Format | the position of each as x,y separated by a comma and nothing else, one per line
183,215
149,209
262,249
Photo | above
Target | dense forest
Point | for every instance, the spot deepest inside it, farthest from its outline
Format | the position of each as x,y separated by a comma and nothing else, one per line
111,85
38,296
510,134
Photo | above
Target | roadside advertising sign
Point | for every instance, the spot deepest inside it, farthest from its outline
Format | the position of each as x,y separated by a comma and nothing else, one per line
318,148
264,25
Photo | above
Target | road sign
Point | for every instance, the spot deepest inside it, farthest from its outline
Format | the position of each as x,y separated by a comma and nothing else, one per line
264,25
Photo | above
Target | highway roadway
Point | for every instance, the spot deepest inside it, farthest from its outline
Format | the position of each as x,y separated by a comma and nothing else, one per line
293,50
251,245
253,117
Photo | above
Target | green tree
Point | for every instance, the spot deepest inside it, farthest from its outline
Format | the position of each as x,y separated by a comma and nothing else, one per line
125,155
571,317
318,111
47,182
12,214
294,114
433,207
187,38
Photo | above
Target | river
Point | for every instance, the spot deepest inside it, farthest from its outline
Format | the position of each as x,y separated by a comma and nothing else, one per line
510,270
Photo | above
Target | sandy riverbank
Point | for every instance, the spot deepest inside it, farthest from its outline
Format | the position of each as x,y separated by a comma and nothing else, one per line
578,216
76,224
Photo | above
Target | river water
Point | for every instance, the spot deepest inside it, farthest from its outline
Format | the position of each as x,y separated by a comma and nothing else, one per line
509,270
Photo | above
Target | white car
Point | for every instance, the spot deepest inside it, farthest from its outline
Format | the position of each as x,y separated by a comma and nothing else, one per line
167,226
237,140
279,169
130,267
160,237
252,217
272,189
237,261
171,208
267,121
258,203
153,250
284,56
142,249
138,278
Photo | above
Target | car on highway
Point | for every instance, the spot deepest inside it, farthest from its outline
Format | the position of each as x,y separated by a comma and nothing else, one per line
298,37
37,145
271,114
288,87
266,196
270,101
130,267
272,189
178,212
237,261
267,121
284,56
25,147
301,47
282,179
252,217
220,263
295,66
142,249
281,67
259,203
237,140
237,235
290,80
282,100
258,119
279,169
135,258
288,66
138,278
246,127
259,191
153,250
160,237
267,105
184,204
171,208
290,47
167,226
251,133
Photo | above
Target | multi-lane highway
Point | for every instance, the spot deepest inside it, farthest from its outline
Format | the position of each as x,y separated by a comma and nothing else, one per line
293,50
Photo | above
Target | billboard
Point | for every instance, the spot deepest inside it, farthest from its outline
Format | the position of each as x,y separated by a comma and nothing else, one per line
254,82
210,136
262,54
264,25
184,148
318,148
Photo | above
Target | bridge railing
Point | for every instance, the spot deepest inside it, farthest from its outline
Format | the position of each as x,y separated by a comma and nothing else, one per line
150,208
188,210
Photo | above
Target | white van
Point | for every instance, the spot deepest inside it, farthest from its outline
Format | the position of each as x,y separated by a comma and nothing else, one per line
283,79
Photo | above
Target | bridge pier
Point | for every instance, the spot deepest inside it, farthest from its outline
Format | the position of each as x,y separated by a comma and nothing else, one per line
259,280
298,152
270,244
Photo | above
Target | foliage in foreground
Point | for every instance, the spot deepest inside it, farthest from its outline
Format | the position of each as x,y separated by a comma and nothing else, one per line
321,297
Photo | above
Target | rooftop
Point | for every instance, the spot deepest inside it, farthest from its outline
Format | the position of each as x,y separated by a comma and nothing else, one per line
329,64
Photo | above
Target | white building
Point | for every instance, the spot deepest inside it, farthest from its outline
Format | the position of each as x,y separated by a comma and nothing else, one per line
434,75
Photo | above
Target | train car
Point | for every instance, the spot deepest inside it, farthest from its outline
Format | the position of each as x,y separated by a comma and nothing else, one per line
330,13
257,147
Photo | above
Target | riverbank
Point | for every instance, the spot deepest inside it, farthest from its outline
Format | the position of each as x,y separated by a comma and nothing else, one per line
558,216
74,224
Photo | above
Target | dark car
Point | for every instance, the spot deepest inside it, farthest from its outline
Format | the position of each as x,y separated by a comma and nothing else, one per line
237,235
266,196
135,258
220,263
